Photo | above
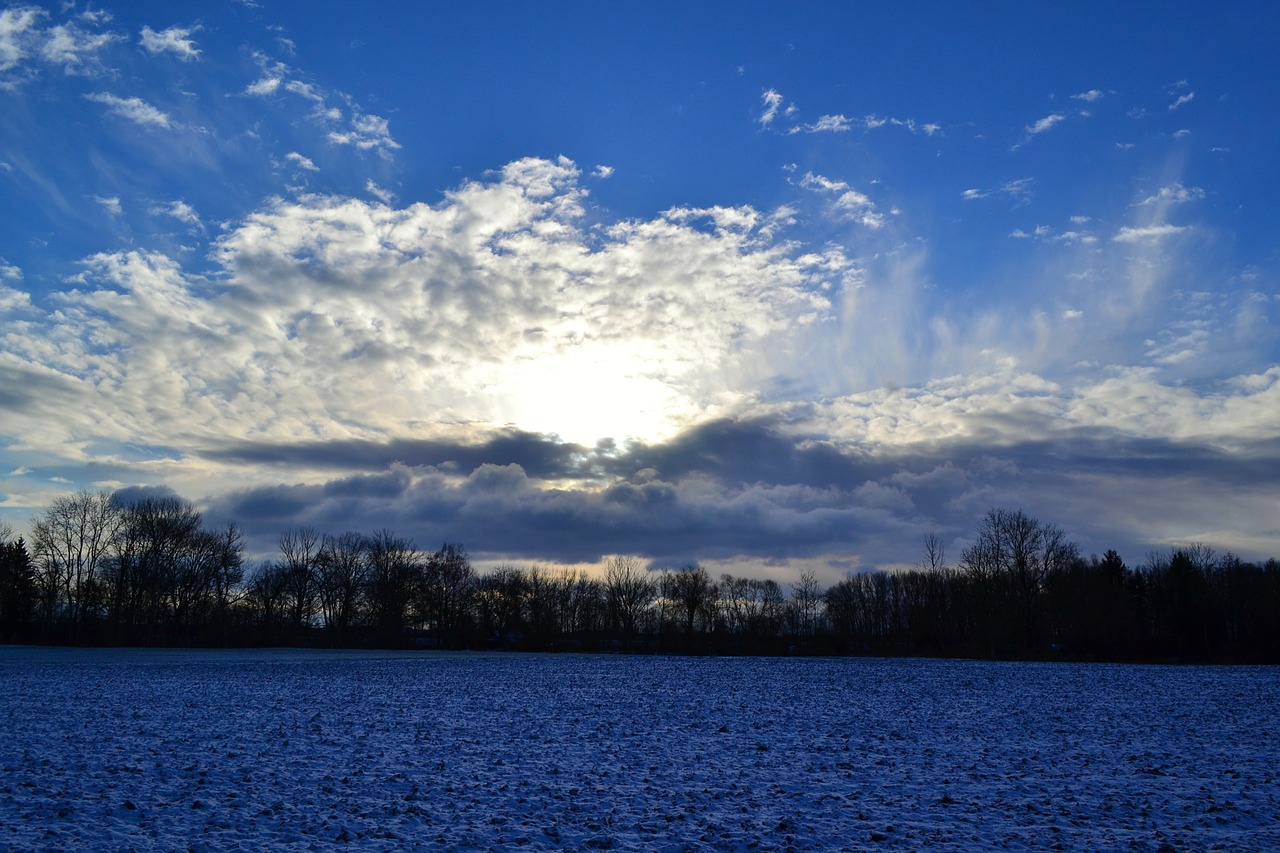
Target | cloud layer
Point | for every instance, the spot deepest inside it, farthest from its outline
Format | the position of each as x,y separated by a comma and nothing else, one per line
224,279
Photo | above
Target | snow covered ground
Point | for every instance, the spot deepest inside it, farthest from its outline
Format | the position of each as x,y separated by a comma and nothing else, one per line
119,749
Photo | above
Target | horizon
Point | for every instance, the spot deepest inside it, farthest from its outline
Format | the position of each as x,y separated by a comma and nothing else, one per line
774,290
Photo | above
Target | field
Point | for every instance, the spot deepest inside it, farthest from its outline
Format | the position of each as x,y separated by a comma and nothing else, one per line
119,749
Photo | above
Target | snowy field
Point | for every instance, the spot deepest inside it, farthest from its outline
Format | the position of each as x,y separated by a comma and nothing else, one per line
295,750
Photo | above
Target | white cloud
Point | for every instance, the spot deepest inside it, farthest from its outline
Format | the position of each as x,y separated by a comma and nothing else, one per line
872,122
1181,134
17,25
1173,194
849,202
1045,123
9,272
1148,232
301,162
825,124
110,203
1018,189
263,87
74,49
334,317
135,110
365,132
603,172
772,100
1182,100
175,40
347,124
810,181
1089,96
180,211
380,193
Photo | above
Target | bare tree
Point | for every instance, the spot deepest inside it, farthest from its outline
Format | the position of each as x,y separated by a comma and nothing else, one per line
447,588
1013,557
71,540
806,600
395,576
629,592
299,555
693,593
341,569
265,594
935,557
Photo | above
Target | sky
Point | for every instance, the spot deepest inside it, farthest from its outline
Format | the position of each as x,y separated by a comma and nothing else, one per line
773,287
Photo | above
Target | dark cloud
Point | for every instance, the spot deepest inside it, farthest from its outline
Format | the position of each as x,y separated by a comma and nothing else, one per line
744,489
540,456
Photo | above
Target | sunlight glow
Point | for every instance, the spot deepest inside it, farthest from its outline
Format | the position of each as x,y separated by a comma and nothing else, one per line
591,392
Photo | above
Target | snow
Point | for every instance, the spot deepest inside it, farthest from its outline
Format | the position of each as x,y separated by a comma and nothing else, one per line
306,750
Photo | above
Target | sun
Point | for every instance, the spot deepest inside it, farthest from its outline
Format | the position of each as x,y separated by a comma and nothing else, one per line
591,392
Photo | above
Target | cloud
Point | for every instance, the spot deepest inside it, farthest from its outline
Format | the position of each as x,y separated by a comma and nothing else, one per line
1145,233
135,110
772,100
1045,123
602,172
263,87
872,122
1173,194
825,124
849,202
342,118
74,49
896,464
9,272
301,162
1088,97
1182,100
381,194
17,27
366,132
175,40
1018,189
111,204
334,318
1046,233
180,211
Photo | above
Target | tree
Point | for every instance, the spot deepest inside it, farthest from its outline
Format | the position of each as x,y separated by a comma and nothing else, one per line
806,596
342,567
693,593
395,575
162,567
447,588
629,591
935,557
500,603
752,609
17,586
299,553
1012,559
265,595
71,540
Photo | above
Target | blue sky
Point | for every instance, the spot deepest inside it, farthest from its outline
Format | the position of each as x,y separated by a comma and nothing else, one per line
773,288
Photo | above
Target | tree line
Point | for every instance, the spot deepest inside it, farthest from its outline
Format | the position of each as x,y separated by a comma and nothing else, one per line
104,570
